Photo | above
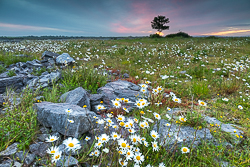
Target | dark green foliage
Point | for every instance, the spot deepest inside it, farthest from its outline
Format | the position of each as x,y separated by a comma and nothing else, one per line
155,36
179,34
159,23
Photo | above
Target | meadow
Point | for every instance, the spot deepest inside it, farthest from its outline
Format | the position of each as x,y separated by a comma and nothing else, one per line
209,76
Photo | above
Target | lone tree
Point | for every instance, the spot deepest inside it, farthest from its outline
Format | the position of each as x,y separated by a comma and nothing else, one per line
158,23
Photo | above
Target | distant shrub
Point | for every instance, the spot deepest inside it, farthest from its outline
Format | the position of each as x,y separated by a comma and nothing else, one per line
179,34
155,36
212,37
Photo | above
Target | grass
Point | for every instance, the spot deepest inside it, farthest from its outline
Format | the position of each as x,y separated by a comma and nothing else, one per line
215,69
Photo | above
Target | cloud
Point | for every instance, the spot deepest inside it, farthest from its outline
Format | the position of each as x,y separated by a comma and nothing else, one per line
18,27
227,32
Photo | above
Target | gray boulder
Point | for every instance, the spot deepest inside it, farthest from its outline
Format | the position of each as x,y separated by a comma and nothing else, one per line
64,59
120,89
68,161
54,115
34,64
95,100
186,135
24,156
9,152
4,75
49,55
78,96
11,82
39,148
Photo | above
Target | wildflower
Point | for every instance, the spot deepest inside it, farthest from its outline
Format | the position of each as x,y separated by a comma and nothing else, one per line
169,109
131,130
108,120
185,150
136,149
168,117
72,144
106,150
240,107
126,100
155,146
96,153
56,156
125,109
71,121
172,94
100,107
162,164
143,90
138,158
144,86
164,77
123,143
146,124
159,88
87,138
182,119
84,106
51,139
69,110
154,134
120,118
142,112
167,124
100,121
98,144
116,103
134,139
147,82
225,99
115,136
115,126
202,103
127,125
157,116
104,138
177,100
142,125
155,91
136,120
145,143
109,115
53,150
122,162
158,103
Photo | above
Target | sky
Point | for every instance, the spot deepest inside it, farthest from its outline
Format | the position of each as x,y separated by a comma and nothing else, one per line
123,17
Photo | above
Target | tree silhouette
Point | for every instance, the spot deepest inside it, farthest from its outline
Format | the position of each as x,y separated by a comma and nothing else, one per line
158,23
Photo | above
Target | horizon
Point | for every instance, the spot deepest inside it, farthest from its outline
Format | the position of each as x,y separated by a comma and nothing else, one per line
116,18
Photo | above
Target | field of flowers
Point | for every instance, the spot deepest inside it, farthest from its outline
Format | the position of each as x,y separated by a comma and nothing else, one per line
197,76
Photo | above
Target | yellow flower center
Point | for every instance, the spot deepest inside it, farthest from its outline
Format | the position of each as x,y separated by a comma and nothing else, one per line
128,153
115,135
116,104
153,136
52,152
138,157
99,144
184,149
156,116
122,123
202,103
124,145
182,119
134,140
120,118
101,102
71,145
58,156
175,99
99,108
52,139
142,125
104,139
138,104
125,101
155,145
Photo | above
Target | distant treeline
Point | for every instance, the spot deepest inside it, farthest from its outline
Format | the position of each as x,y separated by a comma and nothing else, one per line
4,38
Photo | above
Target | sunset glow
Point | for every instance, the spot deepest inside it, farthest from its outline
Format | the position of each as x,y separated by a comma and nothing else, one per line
160,33
228,32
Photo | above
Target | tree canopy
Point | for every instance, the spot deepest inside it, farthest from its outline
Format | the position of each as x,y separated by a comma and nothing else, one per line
159,23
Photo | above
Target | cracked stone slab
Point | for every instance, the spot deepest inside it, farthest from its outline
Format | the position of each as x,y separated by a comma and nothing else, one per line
54,115
9,152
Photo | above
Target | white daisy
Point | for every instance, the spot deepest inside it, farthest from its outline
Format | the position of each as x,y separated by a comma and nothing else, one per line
56,156
51,139
72,144
185,150
52,150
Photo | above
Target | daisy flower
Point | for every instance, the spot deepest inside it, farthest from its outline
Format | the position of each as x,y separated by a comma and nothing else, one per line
120,118
53,150
225,99
104,138
157,116
131,130
126,100
154,134
106,150
100,107
167,124
158,103
125,109
51,139
115,136
56,156
142,125
159,88
162,164
116,103
109,115
122,162
155,91
185,150
122,143
96,153
144,86
240,107
129,154
134,139
155,146
98,144
145,143
136,120
72,144
71,121
177,100
182,119
100,121
138,158
87,138
168,117
169,109
69,110
202,103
